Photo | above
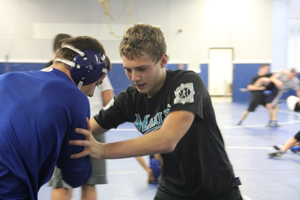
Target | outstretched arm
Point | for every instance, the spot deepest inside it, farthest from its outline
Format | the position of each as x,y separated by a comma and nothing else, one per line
252,87
96,128
276,81
163,140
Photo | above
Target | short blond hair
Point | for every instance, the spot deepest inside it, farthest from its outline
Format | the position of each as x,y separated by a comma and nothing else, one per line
143,38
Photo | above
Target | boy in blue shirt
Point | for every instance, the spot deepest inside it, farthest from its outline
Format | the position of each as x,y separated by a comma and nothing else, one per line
40,111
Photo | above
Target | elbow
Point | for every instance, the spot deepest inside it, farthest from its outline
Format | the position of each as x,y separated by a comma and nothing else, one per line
169,147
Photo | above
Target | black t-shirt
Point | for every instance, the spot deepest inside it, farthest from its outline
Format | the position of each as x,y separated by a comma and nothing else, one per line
255,78
199,166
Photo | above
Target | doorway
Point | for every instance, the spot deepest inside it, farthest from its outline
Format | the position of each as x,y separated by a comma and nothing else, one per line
220,72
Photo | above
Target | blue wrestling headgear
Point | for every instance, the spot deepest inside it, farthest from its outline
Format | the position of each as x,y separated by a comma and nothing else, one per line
87,67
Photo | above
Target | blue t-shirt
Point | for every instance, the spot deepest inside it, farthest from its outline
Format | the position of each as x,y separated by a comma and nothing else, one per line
39,111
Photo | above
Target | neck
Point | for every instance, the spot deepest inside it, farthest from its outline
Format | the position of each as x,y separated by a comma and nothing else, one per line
260,74
159,84
61,67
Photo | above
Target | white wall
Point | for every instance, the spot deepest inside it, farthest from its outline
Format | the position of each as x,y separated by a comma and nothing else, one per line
27,27
293,48
280,34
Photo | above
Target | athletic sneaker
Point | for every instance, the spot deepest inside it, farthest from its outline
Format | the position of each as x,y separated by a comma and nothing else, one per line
273,124
239,123
276,154
277,147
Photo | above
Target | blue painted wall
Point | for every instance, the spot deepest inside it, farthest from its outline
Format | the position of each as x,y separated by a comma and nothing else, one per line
118,78
117,75
174,66
204,73
242,74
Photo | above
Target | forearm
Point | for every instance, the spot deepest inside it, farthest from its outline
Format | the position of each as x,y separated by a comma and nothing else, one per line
253,88
163,140
142,162
276,81
149,144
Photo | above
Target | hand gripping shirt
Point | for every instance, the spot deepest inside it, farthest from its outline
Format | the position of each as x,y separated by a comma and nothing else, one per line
199,166
255,78
39,112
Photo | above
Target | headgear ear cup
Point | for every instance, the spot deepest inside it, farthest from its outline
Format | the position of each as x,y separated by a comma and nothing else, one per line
87,67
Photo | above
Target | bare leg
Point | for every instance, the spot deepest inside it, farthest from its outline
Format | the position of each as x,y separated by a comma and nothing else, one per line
148,169
274,112
289,144
244,115
88,192
61,194
159,158
270,110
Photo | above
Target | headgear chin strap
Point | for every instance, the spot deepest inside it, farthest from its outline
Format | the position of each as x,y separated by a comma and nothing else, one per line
87,67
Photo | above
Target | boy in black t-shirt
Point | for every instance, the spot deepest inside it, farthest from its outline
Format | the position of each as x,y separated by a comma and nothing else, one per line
261,82
174,112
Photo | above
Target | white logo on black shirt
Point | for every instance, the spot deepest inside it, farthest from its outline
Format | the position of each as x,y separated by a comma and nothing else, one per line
184,93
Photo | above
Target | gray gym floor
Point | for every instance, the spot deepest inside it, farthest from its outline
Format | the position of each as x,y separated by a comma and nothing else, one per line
263,178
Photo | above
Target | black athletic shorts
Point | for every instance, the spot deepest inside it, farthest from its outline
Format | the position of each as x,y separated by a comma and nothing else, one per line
257,98
297,136
273,92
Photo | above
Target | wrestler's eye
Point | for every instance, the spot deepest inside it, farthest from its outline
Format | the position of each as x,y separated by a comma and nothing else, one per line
141,69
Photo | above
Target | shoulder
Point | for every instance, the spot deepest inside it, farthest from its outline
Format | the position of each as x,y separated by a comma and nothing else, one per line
182,74
128,94
269,75
12,75
60,85
187,82
179,77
